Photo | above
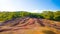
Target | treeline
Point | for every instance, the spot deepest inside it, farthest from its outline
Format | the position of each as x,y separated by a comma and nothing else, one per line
45,15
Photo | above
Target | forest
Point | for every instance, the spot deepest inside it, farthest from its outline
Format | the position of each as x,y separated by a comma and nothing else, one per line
51,15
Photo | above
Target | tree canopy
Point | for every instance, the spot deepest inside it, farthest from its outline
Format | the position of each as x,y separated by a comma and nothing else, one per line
45,14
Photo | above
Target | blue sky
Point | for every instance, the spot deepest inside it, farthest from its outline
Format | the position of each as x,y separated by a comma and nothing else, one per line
29,5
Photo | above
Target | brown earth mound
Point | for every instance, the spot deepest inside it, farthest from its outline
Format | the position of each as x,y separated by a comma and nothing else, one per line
27,25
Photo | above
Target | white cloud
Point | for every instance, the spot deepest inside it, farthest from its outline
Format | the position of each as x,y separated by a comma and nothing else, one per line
35,11
6,5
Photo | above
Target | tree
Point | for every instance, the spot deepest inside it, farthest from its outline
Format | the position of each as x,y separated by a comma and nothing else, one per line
48,15
57,15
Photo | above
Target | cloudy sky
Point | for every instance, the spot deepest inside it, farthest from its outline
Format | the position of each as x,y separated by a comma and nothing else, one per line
29,5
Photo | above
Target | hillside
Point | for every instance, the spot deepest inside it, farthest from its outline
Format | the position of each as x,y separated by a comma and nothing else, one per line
28,25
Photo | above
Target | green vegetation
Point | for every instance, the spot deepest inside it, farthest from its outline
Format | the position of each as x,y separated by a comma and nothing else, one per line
45,14
49,32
